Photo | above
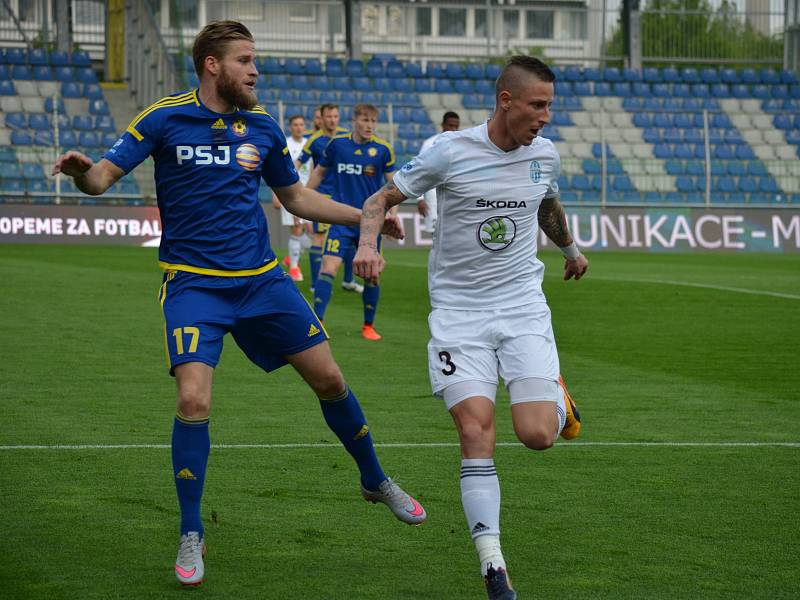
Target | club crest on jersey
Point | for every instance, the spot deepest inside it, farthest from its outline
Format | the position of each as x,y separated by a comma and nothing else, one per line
497,233
536,171
248,157
372,152
239,127
369,170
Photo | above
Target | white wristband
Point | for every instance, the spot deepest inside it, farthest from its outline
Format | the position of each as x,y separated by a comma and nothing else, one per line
570,252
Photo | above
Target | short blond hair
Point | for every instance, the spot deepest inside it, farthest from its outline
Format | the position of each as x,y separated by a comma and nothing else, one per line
365,109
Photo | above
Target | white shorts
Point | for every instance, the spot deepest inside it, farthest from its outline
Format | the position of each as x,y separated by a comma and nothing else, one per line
479,346
288,218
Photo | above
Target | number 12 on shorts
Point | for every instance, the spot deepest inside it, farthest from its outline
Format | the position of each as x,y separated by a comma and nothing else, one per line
449,366
178,334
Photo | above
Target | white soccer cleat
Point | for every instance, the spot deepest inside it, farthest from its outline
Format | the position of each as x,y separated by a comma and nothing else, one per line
404,507
189,568
353,286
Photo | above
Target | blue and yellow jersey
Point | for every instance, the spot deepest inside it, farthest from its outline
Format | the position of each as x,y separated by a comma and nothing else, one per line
314,149
357,169
208,168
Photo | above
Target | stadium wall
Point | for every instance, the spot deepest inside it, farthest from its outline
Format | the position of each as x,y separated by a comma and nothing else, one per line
658,229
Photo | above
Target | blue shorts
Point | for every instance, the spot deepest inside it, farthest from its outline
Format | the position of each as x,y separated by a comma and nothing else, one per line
266,314
342,241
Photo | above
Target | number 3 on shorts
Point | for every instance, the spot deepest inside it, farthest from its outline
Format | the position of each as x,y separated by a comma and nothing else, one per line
449,367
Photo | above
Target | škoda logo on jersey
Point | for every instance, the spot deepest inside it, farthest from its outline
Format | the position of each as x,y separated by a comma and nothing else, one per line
247,155
497,233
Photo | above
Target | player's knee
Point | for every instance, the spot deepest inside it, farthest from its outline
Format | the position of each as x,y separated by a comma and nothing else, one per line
194,401
476,435
328,382
536,436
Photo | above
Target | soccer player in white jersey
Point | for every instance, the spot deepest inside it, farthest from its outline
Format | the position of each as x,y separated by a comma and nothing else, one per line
427,205
297,234
496,186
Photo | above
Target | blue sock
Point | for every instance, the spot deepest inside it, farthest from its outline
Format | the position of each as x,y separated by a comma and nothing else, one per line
323,290
370,299
348,264
343,415
315,261
190,447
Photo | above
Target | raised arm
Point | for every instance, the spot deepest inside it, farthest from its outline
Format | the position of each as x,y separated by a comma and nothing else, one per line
553,221
368,262
90,177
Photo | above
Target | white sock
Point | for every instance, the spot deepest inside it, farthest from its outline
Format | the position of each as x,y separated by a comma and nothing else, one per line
480,496
295,247
305,241
561,410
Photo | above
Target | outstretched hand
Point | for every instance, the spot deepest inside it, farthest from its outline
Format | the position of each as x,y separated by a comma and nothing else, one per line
72,164
575,268
393,227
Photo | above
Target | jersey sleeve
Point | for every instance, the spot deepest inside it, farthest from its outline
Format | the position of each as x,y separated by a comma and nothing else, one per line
552,187
278,168
425,171
391,161
305,153
137,142
328,156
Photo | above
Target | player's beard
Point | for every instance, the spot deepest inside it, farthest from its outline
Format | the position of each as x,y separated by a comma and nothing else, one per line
231,92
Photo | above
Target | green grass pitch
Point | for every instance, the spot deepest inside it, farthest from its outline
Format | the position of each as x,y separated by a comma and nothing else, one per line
685,482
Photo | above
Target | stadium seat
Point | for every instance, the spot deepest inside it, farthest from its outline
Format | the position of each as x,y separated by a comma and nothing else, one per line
651,75
670,75
89,139
492,71
64,74
375,68
354,68
14,56
474,71
612,74
67,138
39,121
334,67
13,186
631,75
463,86
454,70
80,58
43,138
104,123
16,120
395,69
573,73
86,75
32,171
424,85
21,72
98,107
71,89
361,84
602,88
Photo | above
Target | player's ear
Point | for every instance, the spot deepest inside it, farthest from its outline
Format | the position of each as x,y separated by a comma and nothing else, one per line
504,100
211,64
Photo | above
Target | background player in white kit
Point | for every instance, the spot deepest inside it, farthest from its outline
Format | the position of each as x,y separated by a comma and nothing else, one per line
427,204
297,235
496,185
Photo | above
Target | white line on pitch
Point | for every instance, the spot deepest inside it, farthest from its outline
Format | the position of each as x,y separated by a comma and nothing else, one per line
707,286
397,445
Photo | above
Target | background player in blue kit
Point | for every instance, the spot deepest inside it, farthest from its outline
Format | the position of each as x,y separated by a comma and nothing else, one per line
357,162
313,150
211,146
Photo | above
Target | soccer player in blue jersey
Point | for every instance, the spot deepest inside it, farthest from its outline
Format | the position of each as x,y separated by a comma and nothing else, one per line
211,146
314,148
358,162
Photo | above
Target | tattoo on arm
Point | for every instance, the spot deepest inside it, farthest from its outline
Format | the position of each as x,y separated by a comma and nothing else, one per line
374,211
553,222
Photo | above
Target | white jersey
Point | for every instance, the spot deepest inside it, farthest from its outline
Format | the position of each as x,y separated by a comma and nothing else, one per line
295,148
484,247
430,195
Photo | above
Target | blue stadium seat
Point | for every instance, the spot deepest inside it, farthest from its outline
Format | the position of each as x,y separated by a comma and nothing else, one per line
744,152
740,90
623,183
662,120
670,75
426,130
395,69
89,139
724,152
788,77
9,170
464,86
652,135
401,84
39,121
42,73
354,68
32,171
612,74
690,75
631,75
64,74
693,135
492,71
375,68
674,167
709,75
454,70
21,137
474,71
79,58
602,88
779,91
562,119
760,91
591,166
423,85
582,88
726,185
98,107
70,89
67,138
13,186
672,136
86,75
720,90
443,86
641,89
104,123
621,89
695,167
407,131
484,86
729,76
7,154
663,151
21,72
562,88
313,66
680,90
700,90
414,70
334,67
39,186
419,115
592,74
682,151
597,151
661,90
319,82
749,76
471,101
92,91
782,121
16,120
375,98
769,76
269,65
573,73
43,138
348,97
768,185
580,183
361,84
342,83
720,120
651,75
14,56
